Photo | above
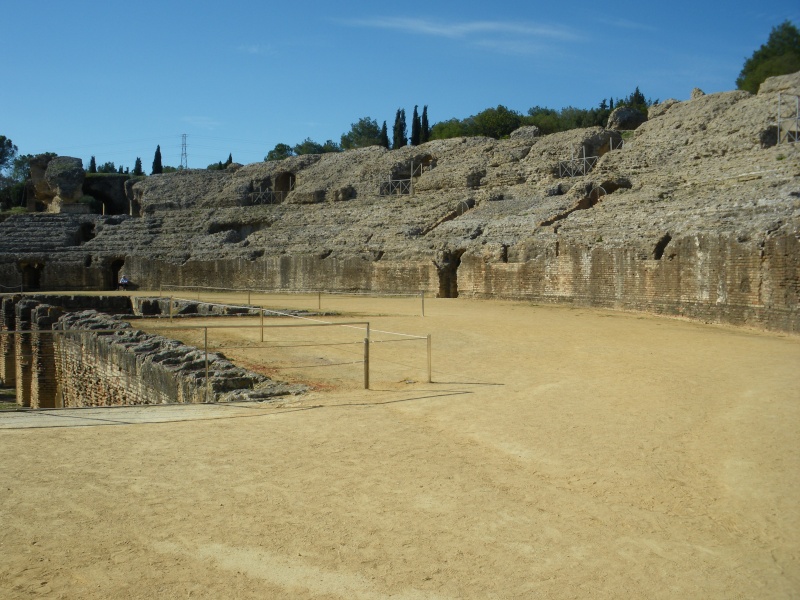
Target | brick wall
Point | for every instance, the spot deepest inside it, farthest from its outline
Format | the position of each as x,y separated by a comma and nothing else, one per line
52,366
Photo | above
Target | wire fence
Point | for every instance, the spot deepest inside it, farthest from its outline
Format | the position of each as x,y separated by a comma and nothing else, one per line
254,293
40,374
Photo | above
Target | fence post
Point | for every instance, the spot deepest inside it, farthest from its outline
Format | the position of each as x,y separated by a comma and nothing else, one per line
430,378
248,297
205,347
422,299
319,300
366,363
170,308
261,312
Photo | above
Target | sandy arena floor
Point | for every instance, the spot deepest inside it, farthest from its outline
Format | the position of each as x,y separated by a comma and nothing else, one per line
559,453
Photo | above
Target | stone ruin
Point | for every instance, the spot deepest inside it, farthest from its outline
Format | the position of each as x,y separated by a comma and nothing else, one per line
697,214
62,352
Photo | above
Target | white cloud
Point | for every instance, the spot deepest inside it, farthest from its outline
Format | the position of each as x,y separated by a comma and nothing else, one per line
470,30
254,49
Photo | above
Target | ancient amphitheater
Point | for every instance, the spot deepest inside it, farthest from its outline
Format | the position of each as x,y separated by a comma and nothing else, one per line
573,441
695,215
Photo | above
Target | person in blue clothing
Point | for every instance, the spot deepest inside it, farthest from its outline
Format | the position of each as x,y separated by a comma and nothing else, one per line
123,283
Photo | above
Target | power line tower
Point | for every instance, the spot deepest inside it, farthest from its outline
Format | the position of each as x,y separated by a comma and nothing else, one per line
184,160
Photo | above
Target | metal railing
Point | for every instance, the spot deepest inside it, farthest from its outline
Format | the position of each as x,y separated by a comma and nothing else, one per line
789,125
266,196
577,166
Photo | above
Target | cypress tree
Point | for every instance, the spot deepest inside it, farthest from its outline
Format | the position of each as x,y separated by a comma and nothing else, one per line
415,127
157,168
92,165
384,136
137,167
230,160
425,130
399,133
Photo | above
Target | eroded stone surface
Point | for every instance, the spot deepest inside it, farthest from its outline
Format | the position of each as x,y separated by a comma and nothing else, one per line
697,214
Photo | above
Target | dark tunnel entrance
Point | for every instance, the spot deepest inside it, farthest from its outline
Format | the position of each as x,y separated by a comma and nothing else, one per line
116,271
32,275
448,274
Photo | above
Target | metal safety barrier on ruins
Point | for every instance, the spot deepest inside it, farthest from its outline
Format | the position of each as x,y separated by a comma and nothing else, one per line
267,196
575,167
397,187
788,119
403,187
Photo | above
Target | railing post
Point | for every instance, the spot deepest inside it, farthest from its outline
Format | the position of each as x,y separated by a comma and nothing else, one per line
248,297
422,300
170,308
366,363
205,348
261,312
430,373
319,301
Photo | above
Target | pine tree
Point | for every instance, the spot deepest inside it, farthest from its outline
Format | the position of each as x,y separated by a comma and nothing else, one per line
92,165
425,130
157,168
384,136
415,127
399,133
137,167
779,56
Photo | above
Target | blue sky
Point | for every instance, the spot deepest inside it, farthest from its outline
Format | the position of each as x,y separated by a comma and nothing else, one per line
114,79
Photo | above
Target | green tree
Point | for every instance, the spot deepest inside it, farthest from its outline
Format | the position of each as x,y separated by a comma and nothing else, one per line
92,165
384,136
637,100
308,146
137,167
157,166
279,152
363,133
425,129
548,120
107,167
7,153
444,130
399,132
415,128
779,56
495,122
230,159
331,146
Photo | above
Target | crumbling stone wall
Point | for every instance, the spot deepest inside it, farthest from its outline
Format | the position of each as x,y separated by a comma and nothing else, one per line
710,278
8,375
88,358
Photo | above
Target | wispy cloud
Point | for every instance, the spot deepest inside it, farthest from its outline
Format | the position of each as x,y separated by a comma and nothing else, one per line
201,122
627,24
254,49
503,36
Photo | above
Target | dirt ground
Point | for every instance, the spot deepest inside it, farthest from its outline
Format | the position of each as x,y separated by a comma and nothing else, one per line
558,453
